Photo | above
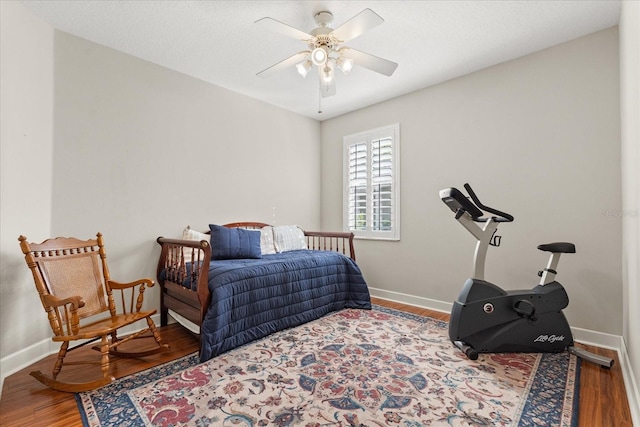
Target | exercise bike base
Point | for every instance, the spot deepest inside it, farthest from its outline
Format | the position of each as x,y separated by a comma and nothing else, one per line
467,350
605,362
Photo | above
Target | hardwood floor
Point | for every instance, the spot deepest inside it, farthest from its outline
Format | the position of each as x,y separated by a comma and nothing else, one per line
26,402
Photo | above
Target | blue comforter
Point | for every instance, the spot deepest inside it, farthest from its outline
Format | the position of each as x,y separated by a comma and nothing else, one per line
252,298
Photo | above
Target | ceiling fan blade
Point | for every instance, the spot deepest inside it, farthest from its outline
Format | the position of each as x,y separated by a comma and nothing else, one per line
290,61
327,90
284,29
372,62
364,21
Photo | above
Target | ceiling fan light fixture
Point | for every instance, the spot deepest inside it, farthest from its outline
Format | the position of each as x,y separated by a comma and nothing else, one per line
319,56
345,64
304,68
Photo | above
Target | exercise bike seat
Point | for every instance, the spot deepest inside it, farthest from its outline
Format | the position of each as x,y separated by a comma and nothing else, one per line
559,247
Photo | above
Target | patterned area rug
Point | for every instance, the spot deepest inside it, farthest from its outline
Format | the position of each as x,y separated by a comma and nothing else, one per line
351,368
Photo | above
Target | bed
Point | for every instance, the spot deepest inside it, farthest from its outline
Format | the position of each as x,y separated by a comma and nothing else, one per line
243,281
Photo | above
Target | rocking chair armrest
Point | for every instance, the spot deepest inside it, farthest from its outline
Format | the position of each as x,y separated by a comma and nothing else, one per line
119,285
75,301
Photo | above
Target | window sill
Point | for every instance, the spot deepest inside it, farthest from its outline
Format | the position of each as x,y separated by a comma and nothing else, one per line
387,239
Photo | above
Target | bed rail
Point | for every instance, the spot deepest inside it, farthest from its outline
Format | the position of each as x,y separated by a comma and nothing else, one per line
331,241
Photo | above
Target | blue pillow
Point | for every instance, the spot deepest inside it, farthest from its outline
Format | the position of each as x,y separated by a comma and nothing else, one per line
234,243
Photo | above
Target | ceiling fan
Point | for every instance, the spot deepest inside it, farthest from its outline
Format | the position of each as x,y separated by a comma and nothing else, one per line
325,50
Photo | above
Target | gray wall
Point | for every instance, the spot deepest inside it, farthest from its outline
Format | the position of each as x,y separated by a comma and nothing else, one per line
142,151
539,137
630,102
96,140
26,146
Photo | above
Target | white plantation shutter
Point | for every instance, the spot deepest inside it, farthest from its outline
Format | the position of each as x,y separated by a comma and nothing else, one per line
371,194
381,182
357,186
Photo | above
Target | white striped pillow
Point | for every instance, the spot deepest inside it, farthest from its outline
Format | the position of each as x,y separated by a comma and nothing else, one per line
266,241
189,234
288,238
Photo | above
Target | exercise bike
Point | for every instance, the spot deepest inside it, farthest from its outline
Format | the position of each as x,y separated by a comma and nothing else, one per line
487,319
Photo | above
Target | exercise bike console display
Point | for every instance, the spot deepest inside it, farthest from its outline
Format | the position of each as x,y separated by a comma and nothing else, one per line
488,319
458,202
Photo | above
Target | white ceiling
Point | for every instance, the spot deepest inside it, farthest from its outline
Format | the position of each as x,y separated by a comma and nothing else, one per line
432,41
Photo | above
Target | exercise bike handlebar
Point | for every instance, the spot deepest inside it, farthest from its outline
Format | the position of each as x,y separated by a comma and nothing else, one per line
501,216
459,203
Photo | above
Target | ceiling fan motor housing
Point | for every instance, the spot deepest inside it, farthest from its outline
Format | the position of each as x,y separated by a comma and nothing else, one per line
323,18
323,40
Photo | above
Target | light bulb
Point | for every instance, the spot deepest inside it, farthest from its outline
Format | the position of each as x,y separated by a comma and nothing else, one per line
327,74
345,64
319,56
304,67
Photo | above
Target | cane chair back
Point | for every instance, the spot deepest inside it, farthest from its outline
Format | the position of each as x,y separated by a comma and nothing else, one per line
67,268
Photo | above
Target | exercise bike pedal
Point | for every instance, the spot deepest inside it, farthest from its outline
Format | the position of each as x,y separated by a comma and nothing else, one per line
524,308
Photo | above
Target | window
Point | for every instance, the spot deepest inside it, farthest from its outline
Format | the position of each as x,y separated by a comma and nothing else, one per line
371,198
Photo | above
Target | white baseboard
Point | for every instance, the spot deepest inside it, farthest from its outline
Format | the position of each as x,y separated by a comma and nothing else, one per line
584,336
630,384
14,362
598,339
19,360
431,304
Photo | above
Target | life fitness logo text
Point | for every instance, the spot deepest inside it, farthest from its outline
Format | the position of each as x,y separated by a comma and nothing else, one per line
549,338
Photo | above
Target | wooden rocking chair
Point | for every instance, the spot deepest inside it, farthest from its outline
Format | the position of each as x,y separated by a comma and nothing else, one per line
73,281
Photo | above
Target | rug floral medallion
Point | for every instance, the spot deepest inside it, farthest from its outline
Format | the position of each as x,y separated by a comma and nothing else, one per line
377,367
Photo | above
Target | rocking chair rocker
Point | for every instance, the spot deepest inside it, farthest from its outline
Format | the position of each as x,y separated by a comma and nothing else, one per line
73,281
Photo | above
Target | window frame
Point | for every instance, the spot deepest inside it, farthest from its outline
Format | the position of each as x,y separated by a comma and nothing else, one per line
369,136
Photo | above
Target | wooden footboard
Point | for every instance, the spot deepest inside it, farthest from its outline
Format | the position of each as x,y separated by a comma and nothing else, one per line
179,283
185,290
